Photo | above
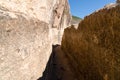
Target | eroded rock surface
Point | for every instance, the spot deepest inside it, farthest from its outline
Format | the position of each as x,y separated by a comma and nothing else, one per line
94,48
27,33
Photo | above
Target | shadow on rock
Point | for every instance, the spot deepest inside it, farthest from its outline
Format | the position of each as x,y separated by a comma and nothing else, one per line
50,71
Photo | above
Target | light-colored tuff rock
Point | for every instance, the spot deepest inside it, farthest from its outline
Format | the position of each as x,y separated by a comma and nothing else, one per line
28,28
111,5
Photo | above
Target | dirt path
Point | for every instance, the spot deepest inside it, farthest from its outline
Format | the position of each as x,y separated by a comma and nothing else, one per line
58,67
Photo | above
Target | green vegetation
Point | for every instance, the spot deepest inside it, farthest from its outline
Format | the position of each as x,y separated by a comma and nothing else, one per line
76,20
94,48
75,17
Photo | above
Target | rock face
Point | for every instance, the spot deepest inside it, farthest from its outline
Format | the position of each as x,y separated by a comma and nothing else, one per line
28,28
118,1
94,48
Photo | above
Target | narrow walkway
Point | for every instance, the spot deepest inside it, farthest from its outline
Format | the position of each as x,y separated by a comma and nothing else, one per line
58,67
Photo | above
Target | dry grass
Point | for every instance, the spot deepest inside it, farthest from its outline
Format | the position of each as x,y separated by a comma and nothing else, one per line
94,48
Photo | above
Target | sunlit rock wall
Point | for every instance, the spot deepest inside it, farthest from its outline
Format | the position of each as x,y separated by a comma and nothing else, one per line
26,35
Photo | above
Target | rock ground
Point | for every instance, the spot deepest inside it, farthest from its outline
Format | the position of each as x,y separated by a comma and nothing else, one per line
58,67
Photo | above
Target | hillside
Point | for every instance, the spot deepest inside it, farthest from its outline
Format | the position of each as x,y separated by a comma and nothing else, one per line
75,20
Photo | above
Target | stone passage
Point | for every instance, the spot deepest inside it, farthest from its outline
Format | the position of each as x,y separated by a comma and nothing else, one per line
58,66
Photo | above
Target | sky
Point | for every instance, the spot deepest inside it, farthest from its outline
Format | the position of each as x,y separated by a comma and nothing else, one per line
82,8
